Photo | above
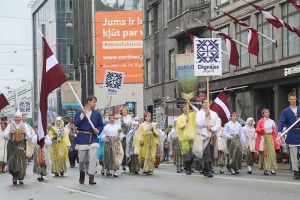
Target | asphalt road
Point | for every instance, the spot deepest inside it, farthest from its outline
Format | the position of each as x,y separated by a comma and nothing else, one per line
164,184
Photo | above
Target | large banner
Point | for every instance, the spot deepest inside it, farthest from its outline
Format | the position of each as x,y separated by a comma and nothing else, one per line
68,99
186,81
119,44
208,56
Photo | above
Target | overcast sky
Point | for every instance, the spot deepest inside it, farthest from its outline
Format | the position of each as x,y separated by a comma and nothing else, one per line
15,44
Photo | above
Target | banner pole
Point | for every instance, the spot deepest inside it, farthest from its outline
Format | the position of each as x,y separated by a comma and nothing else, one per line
87,116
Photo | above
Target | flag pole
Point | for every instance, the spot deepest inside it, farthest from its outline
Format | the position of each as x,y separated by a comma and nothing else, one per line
195,36
110,100
285,132
232,38
87,116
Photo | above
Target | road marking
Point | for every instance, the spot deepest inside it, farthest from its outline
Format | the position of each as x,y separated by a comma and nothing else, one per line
236,179
82,192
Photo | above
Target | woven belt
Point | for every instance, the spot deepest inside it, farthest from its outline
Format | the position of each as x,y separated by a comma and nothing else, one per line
268,133
87,132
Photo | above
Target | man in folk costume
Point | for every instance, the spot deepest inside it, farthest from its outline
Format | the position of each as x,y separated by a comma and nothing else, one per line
208,124
17,133
289,116
125,121
234,133
266,129
113,151
87,141
59,147
186,130
145,139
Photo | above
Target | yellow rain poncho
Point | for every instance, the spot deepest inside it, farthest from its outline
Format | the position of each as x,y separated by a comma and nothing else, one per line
59,147
186,131
147,134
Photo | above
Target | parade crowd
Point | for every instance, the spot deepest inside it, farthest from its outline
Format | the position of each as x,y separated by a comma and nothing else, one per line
197,140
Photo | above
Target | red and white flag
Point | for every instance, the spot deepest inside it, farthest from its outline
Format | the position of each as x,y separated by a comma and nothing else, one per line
278,23
297,6
221,107
191,36
253,44
3,101
52,77
230,45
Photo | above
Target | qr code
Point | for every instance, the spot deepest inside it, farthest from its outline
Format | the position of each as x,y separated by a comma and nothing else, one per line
24,106
208,51
113,80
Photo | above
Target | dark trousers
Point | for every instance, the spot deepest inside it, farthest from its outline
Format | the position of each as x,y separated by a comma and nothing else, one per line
73,156
166,153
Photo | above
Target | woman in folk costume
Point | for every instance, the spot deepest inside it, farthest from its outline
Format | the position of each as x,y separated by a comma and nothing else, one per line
266,143
17,133
159,145
176,149
100,150
131,151
125,121
72,132
41,157
59,147
145,140
3,148
250,135
186,131
113,151
234,133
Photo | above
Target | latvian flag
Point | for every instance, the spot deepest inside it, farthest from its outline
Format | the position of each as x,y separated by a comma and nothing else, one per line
297,6
221,107
230,45
52,77
3,101
253,44
278,23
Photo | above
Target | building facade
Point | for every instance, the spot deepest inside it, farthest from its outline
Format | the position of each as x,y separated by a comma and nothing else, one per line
52,18
262,81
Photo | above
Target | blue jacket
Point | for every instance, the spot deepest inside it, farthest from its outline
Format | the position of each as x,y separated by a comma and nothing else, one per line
287,118
84,125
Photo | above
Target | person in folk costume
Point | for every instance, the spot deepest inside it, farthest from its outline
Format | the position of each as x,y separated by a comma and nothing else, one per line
266,129
145,139
72,132
250,135
208,123
176,148
222,150
125,121
186,131
166,143
41,157
131,151
3,148
160,144
59,148
113,151
87,141
234,133
288,117
17,133
100,150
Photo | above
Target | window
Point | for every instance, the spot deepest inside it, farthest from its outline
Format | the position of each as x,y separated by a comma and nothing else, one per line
149,72
290,40
172,68
149,23
170,9
69,54
157,75
242,36
69,5
266,47
220,2
225,57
